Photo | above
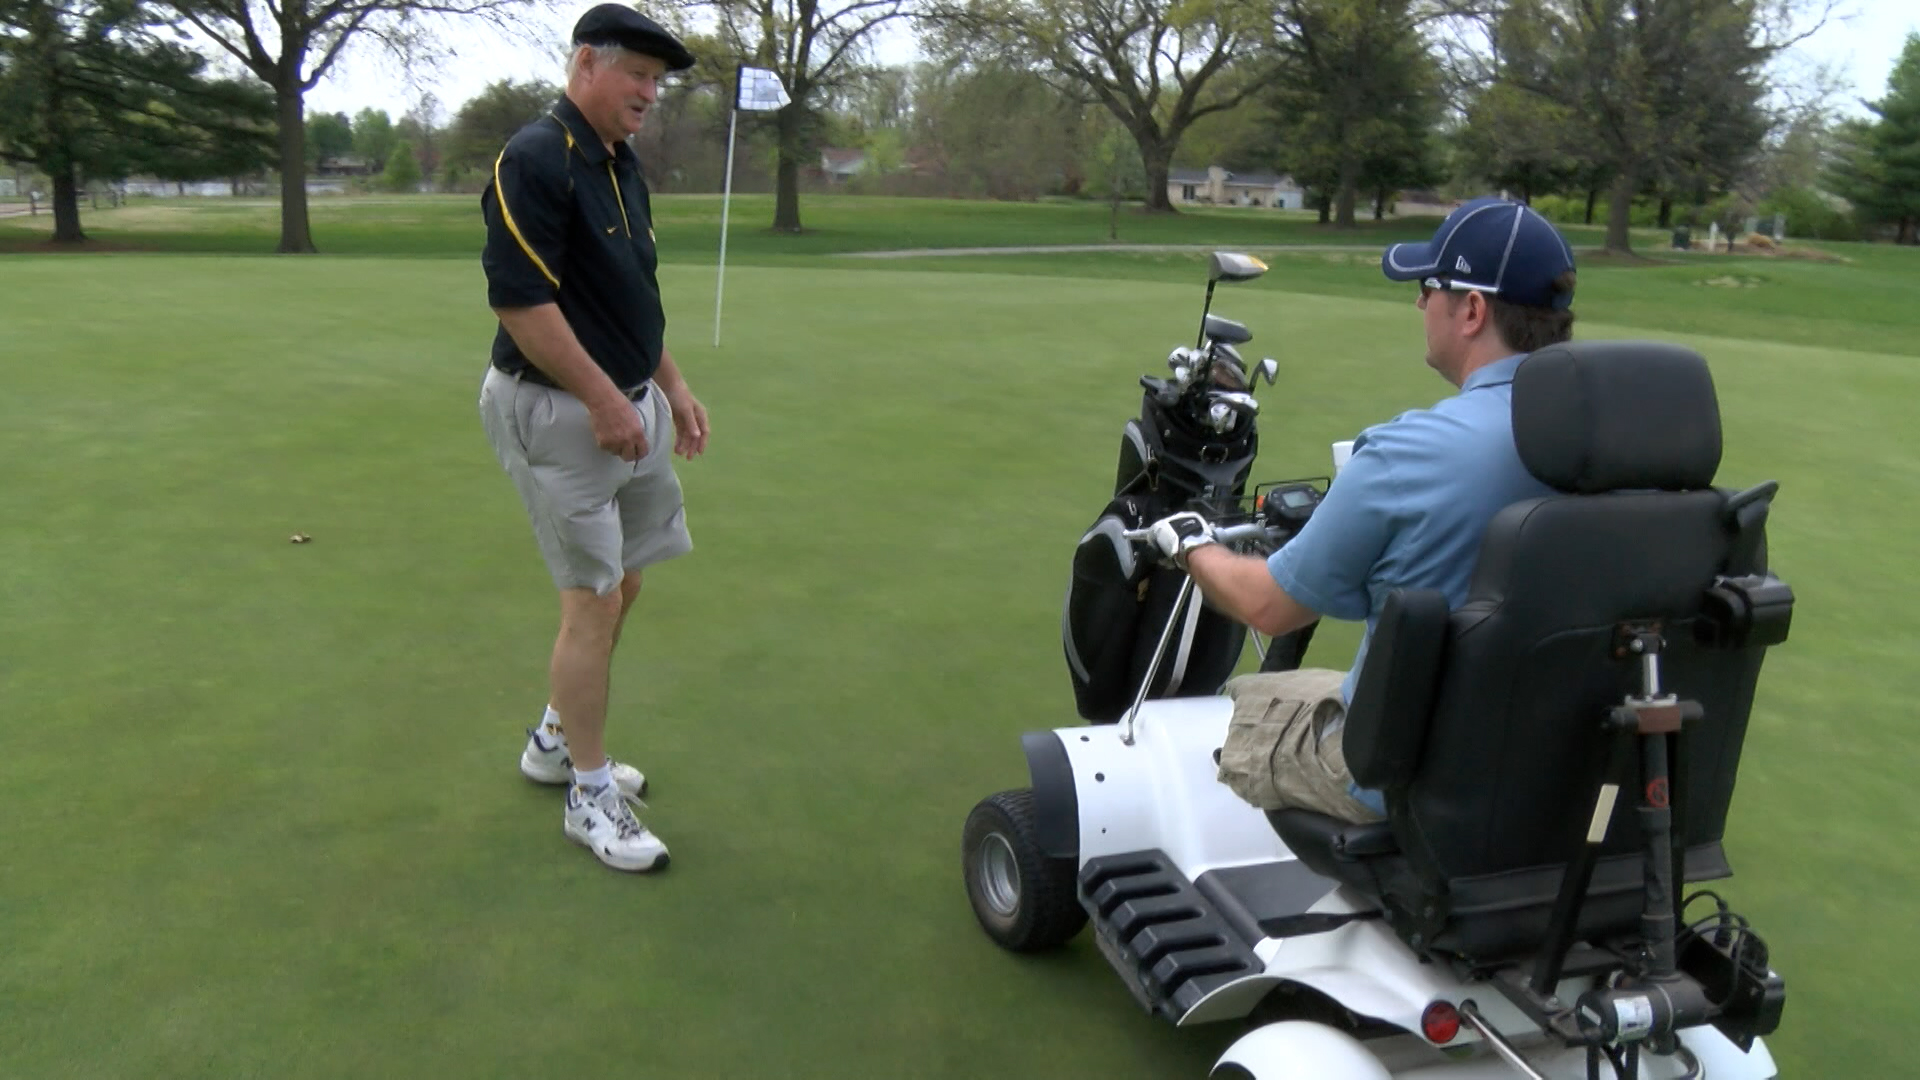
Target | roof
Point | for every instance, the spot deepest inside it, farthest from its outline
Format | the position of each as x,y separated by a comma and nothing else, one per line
1261,180
1255,179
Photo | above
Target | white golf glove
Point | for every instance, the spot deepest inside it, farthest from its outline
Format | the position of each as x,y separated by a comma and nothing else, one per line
1175,535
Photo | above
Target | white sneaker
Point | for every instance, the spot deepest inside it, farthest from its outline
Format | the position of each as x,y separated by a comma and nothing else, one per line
546,761
603,823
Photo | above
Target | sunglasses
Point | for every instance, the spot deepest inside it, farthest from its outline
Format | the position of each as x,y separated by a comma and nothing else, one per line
1434,284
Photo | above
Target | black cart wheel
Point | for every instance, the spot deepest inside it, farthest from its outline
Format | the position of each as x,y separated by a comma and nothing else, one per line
1024,898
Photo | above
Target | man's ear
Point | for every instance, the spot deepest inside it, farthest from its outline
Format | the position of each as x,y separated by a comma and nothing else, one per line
1479,313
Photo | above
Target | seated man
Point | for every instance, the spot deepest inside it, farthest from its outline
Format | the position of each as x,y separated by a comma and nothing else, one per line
1408,509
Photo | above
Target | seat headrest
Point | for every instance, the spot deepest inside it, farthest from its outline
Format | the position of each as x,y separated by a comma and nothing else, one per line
1597,416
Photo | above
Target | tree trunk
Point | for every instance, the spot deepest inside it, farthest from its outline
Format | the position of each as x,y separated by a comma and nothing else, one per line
1156,156
1620,215
1326,209
296,237
1346,194
786,182
66,206
1380,205
1113,219
1593,196
1666,211
1906,231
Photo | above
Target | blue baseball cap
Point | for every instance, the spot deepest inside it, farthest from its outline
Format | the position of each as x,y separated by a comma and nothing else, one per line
1494,246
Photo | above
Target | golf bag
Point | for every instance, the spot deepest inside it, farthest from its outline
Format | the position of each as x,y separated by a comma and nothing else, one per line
1120,597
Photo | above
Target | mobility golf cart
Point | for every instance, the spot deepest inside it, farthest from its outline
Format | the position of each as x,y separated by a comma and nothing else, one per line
1558,759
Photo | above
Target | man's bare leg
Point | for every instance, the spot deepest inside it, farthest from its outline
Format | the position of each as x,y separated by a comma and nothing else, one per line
589,625
629,592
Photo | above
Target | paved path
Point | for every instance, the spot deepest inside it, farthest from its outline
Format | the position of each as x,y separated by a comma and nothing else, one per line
1077,249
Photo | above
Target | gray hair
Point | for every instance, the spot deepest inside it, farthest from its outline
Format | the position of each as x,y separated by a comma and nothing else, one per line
602,56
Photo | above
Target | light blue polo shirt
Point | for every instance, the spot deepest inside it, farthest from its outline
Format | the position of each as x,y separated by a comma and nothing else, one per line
1410,507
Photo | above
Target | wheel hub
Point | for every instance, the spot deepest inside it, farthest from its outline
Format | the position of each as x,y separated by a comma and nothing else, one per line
999,875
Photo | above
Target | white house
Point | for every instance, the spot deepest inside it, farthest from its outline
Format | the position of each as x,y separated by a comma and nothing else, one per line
1220,187
842,164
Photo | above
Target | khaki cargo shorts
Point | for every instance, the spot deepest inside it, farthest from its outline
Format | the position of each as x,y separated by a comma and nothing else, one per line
594,516
1283,747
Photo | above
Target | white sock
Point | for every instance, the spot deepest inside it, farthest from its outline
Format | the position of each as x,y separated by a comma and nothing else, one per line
551,721
594,779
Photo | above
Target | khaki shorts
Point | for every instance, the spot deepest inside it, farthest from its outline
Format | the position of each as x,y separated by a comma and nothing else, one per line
594,516
1283,748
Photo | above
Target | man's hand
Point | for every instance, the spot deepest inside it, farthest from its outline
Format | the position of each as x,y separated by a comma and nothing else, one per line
1177,534
689,423
617,428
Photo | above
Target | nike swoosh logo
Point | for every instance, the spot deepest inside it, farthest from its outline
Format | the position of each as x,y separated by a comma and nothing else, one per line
610,229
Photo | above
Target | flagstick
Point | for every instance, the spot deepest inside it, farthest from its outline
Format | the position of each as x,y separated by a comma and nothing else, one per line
725,200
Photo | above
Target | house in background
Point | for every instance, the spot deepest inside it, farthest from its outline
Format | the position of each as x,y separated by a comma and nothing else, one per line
1216,186
839,165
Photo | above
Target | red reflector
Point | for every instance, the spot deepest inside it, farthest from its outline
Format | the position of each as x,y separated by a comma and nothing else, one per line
1440,1022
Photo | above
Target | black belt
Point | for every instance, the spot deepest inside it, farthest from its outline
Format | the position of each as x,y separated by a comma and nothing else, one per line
539,378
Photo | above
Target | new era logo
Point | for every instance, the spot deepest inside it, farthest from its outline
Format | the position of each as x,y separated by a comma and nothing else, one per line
1460,265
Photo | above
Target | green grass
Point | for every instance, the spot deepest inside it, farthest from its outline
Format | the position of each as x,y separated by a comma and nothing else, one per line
689,226
322,863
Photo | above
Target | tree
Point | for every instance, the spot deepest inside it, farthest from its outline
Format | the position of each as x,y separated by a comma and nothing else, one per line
373,135
1879,167
817,47
89,91
402,173
1114,171
329,135
996,130
420,128
1156,66
1671,89
1353,76
291,44
484,124
1520,142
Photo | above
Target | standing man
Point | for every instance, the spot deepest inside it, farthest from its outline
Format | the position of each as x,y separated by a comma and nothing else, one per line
582,402
1409,508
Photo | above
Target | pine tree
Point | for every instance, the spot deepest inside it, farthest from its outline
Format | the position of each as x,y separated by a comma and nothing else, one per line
1880,171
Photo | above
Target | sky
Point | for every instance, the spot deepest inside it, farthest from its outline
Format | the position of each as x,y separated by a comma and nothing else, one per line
1862,42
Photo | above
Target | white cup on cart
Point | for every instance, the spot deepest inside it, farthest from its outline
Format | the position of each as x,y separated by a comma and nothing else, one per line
1341,452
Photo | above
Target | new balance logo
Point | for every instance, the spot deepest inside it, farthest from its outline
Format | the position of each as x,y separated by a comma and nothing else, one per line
1460,265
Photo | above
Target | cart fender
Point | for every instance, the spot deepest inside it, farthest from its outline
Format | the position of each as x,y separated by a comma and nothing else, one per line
1299,1050
1055,803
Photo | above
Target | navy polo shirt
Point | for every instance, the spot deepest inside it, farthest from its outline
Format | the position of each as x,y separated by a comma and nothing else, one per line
570,223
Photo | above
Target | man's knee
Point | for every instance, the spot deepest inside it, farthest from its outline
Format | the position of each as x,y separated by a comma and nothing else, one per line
629,587
586,612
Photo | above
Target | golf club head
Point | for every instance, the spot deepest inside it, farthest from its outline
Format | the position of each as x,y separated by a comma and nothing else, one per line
1237,400
1269,369
1232,266
1226,331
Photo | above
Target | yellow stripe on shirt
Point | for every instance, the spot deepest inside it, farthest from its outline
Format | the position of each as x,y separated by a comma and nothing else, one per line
613,176
507,216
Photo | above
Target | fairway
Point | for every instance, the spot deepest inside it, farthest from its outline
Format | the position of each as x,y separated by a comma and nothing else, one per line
263,814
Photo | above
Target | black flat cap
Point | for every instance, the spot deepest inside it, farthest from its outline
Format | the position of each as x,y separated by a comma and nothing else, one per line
618,24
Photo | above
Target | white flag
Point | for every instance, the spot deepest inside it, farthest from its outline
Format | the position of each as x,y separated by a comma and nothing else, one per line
760,91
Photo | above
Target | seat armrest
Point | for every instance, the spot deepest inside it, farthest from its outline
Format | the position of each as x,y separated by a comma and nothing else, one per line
1365,841
1387,719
